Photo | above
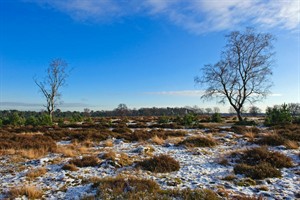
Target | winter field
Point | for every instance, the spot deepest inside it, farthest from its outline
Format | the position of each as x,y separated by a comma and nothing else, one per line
143,158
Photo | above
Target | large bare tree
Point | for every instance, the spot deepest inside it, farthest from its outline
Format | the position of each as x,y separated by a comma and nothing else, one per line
243,72
53,81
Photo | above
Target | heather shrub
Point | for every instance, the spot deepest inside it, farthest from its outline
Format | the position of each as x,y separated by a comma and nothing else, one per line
160,164
259,171
36,142
199,141
86,161
110,187
262,154
136,189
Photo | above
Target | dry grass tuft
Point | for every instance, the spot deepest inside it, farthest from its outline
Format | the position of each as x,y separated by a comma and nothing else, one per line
66,150
31,192
290,144
110,155
31,175
250,136
108,143
33,153
157,140
70,167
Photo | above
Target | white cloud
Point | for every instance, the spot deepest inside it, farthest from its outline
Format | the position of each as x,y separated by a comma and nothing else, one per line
197,16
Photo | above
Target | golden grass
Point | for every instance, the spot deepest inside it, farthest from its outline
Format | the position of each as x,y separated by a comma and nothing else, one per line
124,159
110,155
31,175
174,140
250,135
157,140
66,150
70,167
108,143
290,144
31,192
33,153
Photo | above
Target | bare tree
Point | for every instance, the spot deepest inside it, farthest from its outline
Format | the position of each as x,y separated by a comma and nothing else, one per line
243,72
254,110
54,80
294,108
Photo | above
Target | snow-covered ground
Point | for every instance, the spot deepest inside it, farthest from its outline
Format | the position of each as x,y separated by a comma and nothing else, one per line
200,168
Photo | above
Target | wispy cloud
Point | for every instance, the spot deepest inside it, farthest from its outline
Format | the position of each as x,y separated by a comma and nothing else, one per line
197,16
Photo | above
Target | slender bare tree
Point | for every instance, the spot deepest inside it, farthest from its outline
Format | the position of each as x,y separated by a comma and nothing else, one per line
54,80
243,72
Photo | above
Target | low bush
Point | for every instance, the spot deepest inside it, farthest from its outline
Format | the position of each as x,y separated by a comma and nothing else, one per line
246,182
27,141
216,117
262,154
199,141
160,164
134,189
259,171
278,115
86,161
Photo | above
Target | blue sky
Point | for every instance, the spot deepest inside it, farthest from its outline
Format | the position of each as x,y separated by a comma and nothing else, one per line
141,53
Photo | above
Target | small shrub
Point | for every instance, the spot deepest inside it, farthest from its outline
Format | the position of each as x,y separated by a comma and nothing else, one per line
230,177
216,117
278,115
86,161
160,164
259,171
262,154
199,141
163,120
31,192
246,182
124,188
70,167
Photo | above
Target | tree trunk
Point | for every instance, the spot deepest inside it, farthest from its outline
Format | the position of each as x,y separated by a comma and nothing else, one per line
239,115
51,115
